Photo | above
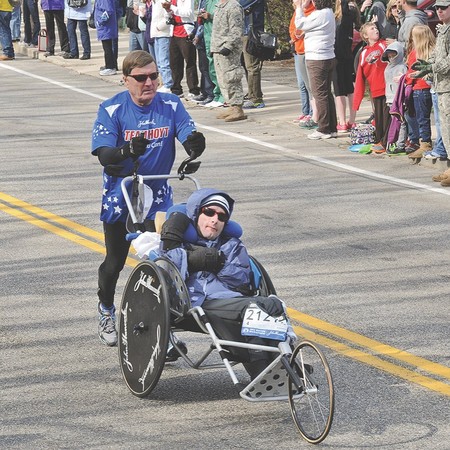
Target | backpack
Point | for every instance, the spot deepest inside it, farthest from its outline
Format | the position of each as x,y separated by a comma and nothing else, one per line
363,133
77,3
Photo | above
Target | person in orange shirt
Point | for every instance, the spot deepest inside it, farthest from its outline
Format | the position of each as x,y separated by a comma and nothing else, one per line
306,118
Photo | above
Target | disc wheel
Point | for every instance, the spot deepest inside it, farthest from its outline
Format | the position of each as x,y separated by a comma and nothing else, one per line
312,403
143,328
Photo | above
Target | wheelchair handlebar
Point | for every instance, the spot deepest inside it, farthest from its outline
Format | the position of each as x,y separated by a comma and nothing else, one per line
187,167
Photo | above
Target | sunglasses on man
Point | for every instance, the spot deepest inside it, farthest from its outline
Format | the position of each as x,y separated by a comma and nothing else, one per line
143,77
442,8
222,217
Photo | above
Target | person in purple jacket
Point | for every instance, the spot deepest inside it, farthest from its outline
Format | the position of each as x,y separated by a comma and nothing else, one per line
107,31
217,272
54,11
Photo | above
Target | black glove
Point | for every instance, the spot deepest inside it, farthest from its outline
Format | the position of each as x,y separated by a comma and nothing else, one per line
225,51
195,144
114,170
422,68
135,148
173,230
208,259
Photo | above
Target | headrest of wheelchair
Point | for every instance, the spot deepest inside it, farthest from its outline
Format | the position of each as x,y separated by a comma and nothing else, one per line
230,230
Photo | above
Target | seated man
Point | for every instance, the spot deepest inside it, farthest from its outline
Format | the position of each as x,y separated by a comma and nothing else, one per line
217,272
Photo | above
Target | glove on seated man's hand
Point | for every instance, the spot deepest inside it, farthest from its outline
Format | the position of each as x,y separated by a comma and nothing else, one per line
207,259
195,144
135,148
173,230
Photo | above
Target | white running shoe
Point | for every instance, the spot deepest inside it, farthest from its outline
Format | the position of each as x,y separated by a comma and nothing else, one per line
107,72
107,326
164,90
213,104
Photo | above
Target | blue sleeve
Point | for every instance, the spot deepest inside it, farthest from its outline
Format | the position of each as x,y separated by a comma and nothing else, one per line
184,125
105,132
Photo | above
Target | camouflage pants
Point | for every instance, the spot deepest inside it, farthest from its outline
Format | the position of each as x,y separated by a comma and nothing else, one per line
229,76
444,116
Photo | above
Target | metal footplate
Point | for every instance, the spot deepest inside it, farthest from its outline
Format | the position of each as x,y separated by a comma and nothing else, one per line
269,385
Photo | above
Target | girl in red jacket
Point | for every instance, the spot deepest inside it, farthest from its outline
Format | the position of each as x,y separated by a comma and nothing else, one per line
371,69
421,43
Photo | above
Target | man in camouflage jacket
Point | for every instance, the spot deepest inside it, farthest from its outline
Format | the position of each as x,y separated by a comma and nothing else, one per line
226,46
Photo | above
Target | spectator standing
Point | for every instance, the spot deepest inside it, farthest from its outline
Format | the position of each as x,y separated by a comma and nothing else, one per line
371,69
182,50
298,43
16,18
162,32
320,31
54,12
134,13
140,126
253,20
395,69
439,66
148,23
412,16
107,31
226,45
389,28
421,44
208,15
5,31
31,22
206,85
347,17
78,17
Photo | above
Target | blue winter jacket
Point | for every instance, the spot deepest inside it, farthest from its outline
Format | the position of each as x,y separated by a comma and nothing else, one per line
106,20
234,277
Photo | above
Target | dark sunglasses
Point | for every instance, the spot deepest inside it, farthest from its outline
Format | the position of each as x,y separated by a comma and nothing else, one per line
223,217
442,8
394,7
143,78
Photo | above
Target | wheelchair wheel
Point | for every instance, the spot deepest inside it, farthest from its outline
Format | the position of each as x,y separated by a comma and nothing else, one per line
312,406
144,326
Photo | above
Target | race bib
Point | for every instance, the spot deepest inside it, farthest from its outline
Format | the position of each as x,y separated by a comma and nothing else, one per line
258,323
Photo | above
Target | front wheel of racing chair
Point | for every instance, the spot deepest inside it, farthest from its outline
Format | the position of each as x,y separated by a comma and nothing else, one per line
312,400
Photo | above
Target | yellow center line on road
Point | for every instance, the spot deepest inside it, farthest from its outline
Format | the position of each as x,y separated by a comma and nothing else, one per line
391,368
42,219
371,344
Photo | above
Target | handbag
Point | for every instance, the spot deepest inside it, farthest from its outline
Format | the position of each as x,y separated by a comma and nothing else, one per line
363,133
262,44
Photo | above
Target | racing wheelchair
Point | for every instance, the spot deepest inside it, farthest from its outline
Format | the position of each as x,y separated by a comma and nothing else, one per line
156,305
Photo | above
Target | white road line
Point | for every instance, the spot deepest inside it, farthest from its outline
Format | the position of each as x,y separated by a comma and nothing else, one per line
324,161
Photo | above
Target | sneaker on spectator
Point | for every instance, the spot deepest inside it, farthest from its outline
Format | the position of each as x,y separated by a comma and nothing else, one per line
107,325
198,98
213,104
378,148
107,72
206,101
253,105
342,128
350,126
318,135
300,118
430,155
305,119
164,90
393,150
411,147
308,124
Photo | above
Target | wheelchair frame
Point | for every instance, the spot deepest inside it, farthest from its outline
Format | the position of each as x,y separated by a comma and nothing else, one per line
154,306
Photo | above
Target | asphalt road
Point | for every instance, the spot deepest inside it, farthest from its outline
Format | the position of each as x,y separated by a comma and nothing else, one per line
356,246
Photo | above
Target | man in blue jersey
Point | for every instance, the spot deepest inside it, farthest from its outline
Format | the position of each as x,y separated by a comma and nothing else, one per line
135,127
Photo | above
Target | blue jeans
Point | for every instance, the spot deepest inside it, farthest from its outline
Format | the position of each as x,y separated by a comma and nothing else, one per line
420,126
304,96
162,53
15,22
84,33
31,22
137,41
5,34
439,148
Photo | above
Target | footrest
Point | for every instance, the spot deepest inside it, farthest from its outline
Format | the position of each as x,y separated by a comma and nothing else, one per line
271,384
